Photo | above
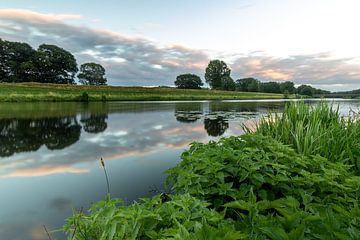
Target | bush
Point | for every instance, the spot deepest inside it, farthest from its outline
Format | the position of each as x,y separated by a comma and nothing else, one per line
84,97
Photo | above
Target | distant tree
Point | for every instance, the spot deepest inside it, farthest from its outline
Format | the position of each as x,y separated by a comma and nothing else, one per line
92,74
227,83
248,85
16,62
215,72
287,87
306,90
188,81
56,65
270,87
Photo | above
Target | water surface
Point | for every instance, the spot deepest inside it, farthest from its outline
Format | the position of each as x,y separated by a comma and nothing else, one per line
49,152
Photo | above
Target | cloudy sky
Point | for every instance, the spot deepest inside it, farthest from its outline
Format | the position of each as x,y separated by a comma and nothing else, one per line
149,43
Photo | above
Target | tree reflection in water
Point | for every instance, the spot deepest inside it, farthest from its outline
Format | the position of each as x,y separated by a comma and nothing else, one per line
95,123
215,126
24,135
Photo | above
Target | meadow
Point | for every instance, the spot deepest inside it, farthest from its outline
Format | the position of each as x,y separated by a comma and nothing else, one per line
295,177
31,92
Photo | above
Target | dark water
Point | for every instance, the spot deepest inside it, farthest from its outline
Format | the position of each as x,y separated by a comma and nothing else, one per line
49,153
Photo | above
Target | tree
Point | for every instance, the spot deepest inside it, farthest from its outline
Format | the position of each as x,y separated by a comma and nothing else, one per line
270,87
92,74
248,85
306,90
56,65
16,62
188,81
287,87
215,72
227,83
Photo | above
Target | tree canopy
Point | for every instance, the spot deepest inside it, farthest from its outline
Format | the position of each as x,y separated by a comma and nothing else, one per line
92,74
188,81
56,65
19,62
215,73
227,83
248,85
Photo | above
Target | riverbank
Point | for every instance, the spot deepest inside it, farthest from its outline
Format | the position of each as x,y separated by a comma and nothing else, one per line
36,92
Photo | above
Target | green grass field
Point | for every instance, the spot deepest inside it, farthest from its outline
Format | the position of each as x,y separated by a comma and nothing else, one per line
31,92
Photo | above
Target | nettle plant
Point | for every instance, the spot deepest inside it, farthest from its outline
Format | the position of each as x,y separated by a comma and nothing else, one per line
270,190
183,217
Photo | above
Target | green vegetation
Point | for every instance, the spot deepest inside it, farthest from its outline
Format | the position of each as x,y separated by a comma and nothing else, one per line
216,72
188,81
316,130
271,184
92,74
27,92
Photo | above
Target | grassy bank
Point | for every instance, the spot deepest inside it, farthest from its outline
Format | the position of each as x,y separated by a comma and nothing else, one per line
280,182
30,92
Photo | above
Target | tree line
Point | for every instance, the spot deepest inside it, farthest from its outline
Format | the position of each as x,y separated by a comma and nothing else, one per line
217,75
19,62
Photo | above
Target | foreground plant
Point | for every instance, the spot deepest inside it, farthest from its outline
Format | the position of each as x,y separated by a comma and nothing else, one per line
183,217
318,129
270,190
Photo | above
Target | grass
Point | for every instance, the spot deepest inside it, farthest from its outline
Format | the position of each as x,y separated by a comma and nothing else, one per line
318,129
291,179
31,92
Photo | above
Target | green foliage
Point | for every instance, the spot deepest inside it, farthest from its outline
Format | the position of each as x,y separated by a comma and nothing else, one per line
19,62
308,90
92,74
56,65
214,73
287,87
314,130
227,83
183,217
270,87
84,97
188,81
305,90
270,190
248,85
16,62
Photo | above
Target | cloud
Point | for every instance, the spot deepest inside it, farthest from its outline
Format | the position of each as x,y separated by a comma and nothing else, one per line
133,60
31,16
44,171
322,70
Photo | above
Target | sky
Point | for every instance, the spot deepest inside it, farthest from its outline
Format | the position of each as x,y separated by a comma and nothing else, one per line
149,43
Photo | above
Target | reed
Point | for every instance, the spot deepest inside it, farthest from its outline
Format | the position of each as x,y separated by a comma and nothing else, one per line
315,130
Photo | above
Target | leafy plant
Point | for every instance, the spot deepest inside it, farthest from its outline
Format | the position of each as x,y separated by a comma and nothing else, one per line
269,189
183,217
